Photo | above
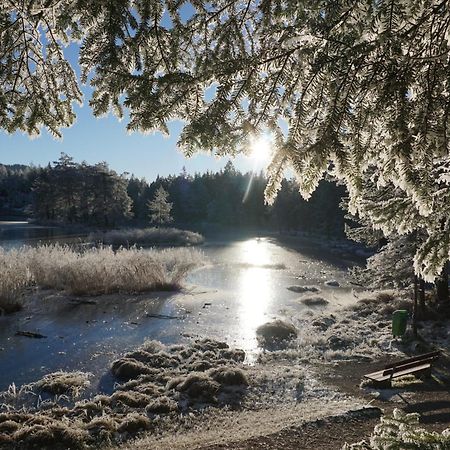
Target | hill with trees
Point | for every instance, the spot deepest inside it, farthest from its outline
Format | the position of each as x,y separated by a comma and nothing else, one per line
67,192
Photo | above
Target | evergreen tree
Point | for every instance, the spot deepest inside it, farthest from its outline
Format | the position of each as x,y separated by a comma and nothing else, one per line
160,208
361,87
69,192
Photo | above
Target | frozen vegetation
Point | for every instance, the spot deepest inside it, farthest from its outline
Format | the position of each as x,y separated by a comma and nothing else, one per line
93,271
314,301
171,392
402,431
155,383
303,289
358,332
14,277
147,237
177,394
275,334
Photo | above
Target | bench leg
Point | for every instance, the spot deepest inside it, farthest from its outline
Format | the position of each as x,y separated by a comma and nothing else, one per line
386,384
425,374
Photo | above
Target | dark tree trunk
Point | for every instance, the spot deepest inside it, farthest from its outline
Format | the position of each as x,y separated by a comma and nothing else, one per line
422,295
414,312
442,286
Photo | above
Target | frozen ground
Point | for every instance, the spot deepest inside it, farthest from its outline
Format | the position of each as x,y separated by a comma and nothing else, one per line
245,284
177,394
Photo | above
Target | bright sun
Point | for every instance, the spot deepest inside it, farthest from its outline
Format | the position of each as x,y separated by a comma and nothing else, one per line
260,148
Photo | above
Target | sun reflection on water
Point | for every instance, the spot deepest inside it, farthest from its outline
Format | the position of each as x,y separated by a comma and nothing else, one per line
255,291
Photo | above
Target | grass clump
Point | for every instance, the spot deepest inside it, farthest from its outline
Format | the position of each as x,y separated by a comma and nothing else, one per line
159,388
64,383
161,405
133,423
314,301
303,289
383,304
14,277
147,237
129,368
196,386
51,434
93,271
229,376
275,334
131,398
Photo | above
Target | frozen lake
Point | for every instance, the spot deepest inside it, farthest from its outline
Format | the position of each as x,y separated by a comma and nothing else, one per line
243,285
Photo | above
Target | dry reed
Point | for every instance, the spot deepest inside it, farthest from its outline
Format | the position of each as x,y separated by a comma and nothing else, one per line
93,271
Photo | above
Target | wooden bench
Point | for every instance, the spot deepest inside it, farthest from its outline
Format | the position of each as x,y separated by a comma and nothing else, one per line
418,365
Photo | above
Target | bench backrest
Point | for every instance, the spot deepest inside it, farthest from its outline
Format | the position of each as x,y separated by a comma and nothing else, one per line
423,357
409,365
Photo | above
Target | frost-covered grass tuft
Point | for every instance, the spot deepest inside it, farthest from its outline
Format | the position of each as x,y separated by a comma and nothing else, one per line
150,399
358,332
64,383
314,301
402,431
229,376
147,237
94,271
383,303
161,405
275,334
14,277
303,289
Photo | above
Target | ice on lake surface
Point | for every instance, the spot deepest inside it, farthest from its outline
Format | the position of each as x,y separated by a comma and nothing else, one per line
243,285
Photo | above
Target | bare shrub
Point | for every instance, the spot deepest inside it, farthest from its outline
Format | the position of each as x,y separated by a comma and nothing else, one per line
147,237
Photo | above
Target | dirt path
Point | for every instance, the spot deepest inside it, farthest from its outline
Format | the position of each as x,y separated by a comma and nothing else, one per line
429,397
324,434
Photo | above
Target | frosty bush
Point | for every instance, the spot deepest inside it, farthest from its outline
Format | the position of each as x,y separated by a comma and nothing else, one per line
94,271
147,236
401,432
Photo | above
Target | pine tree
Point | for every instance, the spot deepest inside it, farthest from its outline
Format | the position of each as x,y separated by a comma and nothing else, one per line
69,192
348,88
160,208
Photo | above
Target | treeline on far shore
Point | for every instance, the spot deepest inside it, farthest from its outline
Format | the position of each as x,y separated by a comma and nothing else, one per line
67,192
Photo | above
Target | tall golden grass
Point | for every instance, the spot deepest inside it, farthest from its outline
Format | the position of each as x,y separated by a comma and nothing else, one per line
93,271
14,278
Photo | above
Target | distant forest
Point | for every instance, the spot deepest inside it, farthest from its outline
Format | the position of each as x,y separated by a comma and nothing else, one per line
67,192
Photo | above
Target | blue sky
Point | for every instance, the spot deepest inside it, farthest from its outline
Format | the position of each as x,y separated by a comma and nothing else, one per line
106,139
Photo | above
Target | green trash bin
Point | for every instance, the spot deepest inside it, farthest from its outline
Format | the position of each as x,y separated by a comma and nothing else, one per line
399,322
